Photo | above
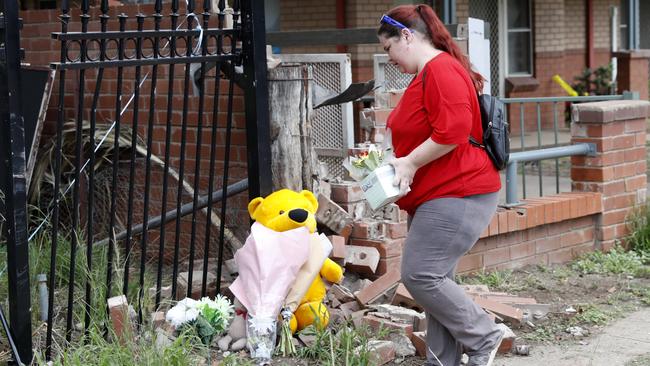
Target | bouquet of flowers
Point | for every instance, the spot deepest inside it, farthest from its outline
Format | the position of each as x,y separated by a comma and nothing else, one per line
208,317
268,264
361,165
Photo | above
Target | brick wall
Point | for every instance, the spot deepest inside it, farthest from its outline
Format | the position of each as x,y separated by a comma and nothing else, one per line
545,230
618,171
41,50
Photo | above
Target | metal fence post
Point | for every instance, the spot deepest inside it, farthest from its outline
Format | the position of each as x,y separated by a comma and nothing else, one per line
256,96
12,139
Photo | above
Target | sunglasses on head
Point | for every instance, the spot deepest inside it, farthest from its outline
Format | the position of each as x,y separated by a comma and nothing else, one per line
388,20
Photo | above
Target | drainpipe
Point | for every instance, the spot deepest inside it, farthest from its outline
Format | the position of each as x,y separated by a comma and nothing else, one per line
340,23
590,34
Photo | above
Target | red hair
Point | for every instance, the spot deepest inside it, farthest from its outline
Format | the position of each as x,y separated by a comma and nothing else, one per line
424,20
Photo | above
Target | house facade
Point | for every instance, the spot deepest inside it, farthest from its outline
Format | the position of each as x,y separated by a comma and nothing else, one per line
531,40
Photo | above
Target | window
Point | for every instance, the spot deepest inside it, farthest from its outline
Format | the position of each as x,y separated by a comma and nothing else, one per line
519,38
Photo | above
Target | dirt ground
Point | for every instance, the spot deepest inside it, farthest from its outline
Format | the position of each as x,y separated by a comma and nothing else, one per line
598,300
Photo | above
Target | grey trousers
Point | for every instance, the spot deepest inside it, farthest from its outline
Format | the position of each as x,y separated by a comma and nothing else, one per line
440,232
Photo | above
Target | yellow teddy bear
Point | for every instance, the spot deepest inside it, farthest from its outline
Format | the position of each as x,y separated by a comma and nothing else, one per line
285,210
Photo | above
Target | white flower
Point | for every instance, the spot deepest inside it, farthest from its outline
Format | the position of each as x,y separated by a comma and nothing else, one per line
184,311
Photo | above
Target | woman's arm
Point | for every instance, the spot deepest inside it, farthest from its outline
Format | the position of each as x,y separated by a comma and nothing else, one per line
405,167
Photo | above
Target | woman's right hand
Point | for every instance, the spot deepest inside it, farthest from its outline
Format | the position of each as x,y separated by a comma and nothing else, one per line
404,173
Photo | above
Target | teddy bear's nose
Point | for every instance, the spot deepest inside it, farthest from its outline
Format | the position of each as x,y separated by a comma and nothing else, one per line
298,215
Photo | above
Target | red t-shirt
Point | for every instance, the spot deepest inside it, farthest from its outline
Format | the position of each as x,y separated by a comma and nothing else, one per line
447,114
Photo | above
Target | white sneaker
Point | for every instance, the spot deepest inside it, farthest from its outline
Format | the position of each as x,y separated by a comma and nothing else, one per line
486,359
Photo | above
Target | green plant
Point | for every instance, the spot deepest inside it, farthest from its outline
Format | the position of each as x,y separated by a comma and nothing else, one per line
132,350
594,82
639,225
616,261
341,345
592,314
495,280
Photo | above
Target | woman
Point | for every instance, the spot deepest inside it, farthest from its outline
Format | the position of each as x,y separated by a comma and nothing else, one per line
453,184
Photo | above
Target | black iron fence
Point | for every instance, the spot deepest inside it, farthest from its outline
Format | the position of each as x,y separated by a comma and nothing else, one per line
146,109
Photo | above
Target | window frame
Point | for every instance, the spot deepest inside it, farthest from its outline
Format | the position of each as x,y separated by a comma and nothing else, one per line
508,31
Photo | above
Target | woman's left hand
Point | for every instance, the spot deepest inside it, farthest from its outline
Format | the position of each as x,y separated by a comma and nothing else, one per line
404,173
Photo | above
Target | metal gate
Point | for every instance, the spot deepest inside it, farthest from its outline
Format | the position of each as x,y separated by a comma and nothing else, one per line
132,87
488,10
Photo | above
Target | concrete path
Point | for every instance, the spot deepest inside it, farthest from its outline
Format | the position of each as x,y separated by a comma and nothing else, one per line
615,345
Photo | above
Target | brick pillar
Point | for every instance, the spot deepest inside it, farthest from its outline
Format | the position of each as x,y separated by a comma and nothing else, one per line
633,72
618,171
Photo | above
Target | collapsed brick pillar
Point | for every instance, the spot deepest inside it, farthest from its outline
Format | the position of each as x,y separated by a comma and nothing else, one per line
618,170
634,72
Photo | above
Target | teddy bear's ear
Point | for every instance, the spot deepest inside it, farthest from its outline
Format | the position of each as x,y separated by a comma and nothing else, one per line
311,198
254,205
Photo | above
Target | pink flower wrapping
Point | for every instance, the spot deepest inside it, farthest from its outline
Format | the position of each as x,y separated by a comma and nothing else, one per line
268,264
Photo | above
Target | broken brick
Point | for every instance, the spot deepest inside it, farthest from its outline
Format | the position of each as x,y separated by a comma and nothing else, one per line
506,312
381,352
508,339
333,216
118,310
375,323
395,230
361,259
346,192
338,247
378,287
387,247
404,299
419,340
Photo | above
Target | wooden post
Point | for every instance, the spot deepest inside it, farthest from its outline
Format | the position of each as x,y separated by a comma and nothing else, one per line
294,162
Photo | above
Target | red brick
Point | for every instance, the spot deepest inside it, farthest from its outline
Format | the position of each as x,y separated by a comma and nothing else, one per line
485,244
579,250
634,154
367,229
512,220
346,192
639,139
522,250
544,245
496,256
592,174
635,125
470,262
625,170
509,239
624,141
386,264
613,217
378,287
404,299
338,247
381,352
386,247
502,217
624,200
560,256
375,323
494,226
570,239
396,229
419,340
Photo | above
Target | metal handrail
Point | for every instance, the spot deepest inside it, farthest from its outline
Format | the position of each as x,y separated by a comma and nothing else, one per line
555,103
588,149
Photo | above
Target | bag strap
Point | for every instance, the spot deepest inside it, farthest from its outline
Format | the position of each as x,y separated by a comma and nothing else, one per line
472,140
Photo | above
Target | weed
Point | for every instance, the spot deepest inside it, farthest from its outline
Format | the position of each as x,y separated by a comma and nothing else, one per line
342,345
639,224
235,359
617,261
495,280
142,350
593,315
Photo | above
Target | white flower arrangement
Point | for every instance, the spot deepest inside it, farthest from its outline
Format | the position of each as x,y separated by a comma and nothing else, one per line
207,317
